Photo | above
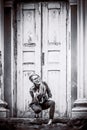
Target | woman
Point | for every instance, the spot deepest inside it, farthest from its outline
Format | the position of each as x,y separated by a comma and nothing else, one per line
41,96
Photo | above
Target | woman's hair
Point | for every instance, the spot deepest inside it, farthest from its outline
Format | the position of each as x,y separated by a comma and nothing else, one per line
31,76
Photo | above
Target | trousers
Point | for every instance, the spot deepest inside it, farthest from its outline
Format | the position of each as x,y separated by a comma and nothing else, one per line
43,106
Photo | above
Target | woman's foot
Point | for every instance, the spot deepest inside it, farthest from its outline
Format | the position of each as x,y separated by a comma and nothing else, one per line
50,122
36,115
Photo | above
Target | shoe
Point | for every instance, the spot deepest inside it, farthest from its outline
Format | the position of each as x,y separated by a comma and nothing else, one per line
50,122
36,115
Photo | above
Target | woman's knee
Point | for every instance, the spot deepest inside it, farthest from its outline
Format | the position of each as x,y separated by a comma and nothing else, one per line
53,103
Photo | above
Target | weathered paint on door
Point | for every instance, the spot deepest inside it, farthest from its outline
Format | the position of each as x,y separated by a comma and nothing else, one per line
54,48
41,42
29,51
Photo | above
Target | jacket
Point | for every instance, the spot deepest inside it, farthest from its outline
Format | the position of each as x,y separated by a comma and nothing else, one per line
41,94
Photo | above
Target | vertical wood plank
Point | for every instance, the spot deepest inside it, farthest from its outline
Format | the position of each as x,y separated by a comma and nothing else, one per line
68,61
38,39
45,39
20,93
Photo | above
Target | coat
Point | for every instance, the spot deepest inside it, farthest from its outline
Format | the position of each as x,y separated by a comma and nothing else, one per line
41,94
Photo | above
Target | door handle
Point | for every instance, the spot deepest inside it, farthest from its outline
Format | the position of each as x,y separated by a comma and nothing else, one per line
43,58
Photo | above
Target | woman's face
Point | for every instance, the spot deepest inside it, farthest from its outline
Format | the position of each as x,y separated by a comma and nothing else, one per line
36,79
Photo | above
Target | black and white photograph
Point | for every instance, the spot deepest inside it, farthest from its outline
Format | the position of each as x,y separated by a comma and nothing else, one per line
43,64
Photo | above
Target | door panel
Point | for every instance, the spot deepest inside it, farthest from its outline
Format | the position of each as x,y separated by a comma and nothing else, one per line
54,48
29,52
41,42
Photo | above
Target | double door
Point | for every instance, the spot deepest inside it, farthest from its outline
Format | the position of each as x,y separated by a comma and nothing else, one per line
41,45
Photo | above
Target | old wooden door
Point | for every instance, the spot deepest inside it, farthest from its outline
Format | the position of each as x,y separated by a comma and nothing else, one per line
54,50
41,43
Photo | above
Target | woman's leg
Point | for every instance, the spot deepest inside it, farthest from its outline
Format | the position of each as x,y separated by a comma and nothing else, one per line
49,104
36,108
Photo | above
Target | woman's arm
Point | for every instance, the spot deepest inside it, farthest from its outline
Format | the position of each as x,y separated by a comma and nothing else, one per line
48,90
32,94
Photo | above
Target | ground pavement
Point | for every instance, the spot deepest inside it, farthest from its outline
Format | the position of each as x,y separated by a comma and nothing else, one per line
41,124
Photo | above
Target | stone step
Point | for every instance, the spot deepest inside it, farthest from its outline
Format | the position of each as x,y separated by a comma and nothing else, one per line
41,124
38,121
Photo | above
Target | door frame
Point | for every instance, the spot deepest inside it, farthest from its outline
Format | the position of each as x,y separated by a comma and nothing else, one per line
68,62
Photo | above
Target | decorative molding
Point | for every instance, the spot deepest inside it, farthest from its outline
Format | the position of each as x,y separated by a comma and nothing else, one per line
73,2
8,3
